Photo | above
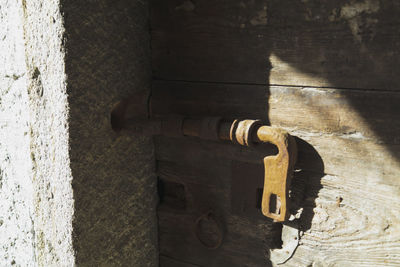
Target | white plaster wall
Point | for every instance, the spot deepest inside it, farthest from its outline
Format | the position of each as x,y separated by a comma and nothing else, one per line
36,202
16,188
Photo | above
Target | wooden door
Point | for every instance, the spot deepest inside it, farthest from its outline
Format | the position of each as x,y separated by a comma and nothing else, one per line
325,72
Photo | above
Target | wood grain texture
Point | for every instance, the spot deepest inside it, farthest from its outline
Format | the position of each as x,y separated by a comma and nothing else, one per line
209,40
356,159
240,248
210,99
365,114
343,45
347,178
350,227
348,143
244,242
354,213
327,72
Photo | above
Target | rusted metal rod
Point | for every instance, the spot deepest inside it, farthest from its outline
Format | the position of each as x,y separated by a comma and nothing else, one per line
278,168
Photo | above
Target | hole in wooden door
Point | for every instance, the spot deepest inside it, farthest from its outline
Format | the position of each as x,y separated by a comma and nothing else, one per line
171,194
274,204
118,116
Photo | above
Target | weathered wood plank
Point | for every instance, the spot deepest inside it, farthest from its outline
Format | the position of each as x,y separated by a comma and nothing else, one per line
364,114
351,113
335,43
214,189
217,175
341,156
242,246
362,227
344,45
166,261
347,178
222,180
209,40
349,227
205,99
210,189
181,150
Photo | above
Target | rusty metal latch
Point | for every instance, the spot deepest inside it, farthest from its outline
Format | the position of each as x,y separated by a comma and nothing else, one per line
278,168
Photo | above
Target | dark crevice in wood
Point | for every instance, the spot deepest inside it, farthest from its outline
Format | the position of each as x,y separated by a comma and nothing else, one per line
371,90
157,79
171,194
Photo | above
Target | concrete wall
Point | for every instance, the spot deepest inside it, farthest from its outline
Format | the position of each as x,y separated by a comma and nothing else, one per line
17,235
36,195
114,183
71,190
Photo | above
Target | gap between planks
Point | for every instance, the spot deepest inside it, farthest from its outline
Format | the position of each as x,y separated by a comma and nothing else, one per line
372,90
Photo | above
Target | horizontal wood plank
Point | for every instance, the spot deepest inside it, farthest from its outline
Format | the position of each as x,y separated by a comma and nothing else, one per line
347,175
277,42
327,72
356,164
209,40
205,99
347,143
335,43
362,226
243,245
347,113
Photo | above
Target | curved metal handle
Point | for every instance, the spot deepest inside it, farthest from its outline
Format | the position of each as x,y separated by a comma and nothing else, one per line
278,172
278,168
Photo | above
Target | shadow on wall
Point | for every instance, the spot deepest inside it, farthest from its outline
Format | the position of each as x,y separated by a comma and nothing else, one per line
344,44
107,59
